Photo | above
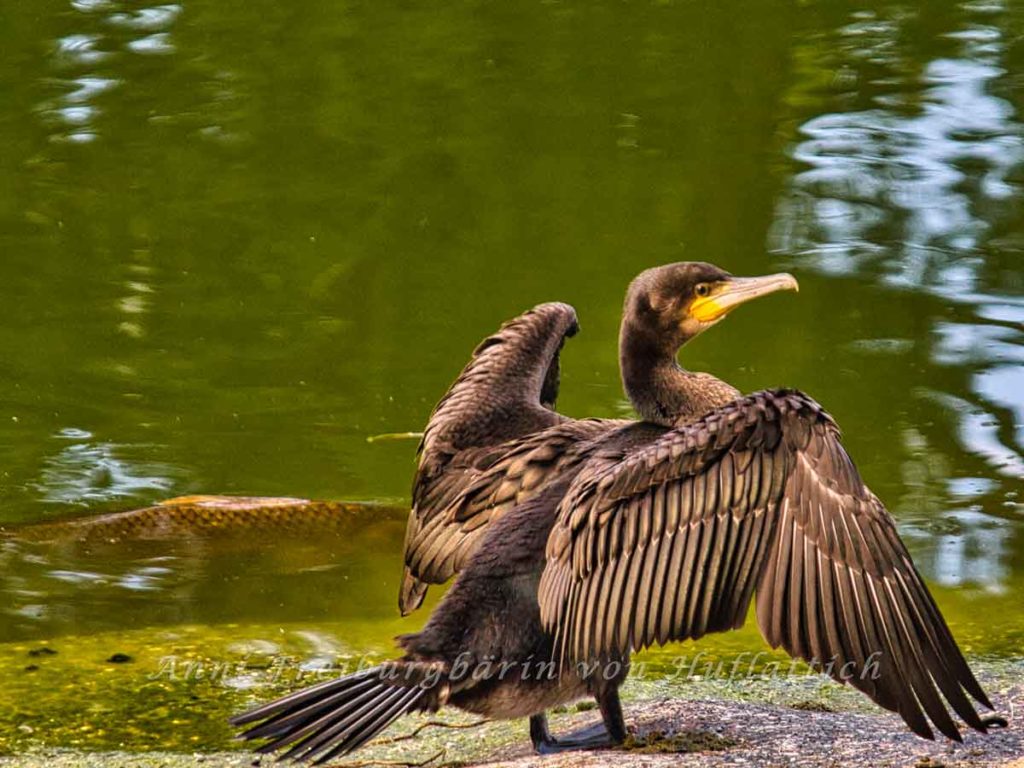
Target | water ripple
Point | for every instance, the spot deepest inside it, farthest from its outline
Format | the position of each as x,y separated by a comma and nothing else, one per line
158,44
89,472
904,190
903,177
978,432
78,50
905,173
147,19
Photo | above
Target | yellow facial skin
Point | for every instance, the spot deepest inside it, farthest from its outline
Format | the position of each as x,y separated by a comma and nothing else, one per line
725,295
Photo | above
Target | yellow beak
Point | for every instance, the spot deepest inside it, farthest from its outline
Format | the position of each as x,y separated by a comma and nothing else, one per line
728,294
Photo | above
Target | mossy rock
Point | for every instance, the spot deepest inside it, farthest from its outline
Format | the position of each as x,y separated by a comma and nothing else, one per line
812,706
657,742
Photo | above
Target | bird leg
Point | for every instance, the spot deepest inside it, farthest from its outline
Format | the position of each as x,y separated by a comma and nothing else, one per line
608,733
611,713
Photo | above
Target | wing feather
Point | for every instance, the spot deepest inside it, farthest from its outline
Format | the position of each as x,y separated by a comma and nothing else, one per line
671,588
616,603
440,544
759,495
680,620
506,391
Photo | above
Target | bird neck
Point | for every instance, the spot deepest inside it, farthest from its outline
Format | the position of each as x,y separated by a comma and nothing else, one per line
660,390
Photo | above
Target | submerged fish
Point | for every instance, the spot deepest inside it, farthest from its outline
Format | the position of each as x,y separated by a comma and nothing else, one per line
202,516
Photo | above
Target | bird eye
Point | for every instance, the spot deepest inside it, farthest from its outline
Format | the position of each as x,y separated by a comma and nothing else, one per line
702,289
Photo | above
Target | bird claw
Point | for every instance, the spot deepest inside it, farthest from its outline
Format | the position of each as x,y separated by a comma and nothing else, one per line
995,721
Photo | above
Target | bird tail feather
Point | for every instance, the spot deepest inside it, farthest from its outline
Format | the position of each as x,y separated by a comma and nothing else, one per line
411,593
337,717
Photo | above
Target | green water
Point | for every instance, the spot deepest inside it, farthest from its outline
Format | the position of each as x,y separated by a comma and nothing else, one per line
237,239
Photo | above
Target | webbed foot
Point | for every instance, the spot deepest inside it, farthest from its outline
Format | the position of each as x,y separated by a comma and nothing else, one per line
593,737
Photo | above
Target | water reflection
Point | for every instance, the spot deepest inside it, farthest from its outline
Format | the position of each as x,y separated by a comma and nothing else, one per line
905,166
904,186
265,253
78,50
975,553
137,299
158,44
55,580
74,115
147,19
85,472
90,6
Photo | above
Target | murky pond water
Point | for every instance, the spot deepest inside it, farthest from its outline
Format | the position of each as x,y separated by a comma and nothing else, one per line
237,239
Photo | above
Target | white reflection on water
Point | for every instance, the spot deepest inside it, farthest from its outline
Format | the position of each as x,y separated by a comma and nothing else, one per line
136,303
90,472
145,579
147,19
157,45
902,186
905,175
90,6
89,87
78,50
977,555
75,113
964,344
78,577
106,46
979,433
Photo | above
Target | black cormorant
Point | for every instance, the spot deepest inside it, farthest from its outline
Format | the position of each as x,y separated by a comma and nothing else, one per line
577,542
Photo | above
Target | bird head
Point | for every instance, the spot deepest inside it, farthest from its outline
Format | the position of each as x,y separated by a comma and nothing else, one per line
678,301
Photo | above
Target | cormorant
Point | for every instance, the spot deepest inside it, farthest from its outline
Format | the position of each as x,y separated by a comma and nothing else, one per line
577,542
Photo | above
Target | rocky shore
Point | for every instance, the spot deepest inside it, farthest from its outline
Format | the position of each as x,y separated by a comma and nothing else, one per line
763,724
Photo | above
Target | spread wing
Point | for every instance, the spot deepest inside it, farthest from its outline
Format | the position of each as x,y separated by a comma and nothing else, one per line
506,391
443,544
670,541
